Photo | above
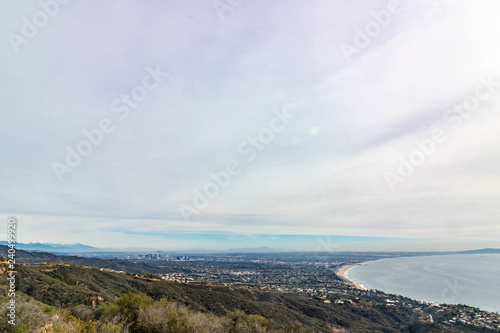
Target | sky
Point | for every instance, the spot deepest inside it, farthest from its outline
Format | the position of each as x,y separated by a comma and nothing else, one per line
235,123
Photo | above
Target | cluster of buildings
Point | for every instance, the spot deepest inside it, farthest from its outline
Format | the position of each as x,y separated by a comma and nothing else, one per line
471,316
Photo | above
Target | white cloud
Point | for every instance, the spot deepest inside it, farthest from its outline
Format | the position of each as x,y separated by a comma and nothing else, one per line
226,80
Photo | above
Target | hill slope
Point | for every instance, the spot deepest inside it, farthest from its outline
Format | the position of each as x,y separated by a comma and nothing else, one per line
26,257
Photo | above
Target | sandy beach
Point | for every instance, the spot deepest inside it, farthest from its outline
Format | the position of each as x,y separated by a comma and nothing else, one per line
343,270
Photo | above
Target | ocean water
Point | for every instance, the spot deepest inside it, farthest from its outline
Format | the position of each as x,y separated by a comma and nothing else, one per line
472,279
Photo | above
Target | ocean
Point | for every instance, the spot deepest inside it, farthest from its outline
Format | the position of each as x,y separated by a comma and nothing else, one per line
471,279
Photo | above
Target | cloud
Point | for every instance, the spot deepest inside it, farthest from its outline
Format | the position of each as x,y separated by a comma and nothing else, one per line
323,174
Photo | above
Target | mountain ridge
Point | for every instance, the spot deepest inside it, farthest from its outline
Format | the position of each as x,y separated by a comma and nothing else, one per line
79,248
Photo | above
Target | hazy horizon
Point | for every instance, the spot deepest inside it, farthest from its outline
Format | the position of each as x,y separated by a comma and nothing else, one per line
306,243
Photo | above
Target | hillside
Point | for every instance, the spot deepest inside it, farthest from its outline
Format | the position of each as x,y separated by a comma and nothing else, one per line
26,257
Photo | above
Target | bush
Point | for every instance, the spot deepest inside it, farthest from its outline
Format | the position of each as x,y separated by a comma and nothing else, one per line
112,326
164,316
29,315
125,309
243,323
83,312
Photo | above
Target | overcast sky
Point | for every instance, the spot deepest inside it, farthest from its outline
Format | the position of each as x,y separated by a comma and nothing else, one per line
356,118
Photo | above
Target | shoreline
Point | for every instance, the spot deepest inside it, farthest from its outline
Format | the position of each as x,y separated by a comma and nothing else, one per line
423,295
343,270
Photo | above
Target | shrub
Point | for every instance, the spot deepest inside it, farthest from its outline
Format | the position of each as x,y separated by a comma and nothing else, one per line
125,309
29,315
112,326
164,316
83,312
243,323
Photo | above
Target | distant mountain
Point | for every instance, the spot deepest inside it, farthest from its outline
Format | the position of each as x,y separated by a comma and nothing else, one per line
76,248
49,247
481,251
127,249
87,250
24,257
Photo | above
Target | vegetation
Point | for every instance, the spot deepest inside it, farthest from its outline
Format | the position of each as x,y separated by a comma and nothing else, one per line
131,313
60,297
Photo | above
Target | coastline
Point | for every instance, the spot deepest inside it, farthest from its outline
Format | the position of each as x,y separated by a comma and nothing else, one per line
444,293
343,270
